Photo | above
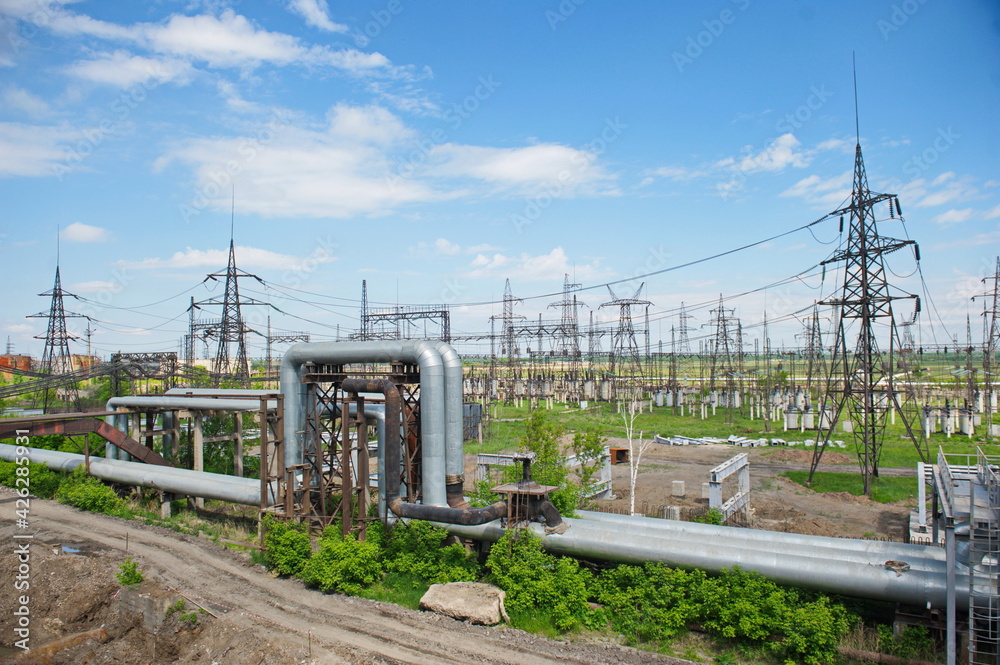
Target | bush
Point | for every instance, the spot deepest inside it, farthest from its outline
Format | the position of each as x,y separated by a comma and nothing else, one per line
744,606
343,564
88,493
129,573
43,483
286,546
651,603
418,548
539,583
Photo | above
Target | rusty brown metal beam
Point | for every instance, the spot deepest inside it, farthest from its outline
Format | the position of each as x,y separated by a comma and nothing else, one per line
81,423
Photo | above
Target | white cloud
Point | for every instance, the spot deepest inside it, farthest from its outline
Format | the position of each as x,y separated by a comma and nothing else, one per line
943,178
78,232
677,173
781,153
317,14
952,188
124,70
953,216
231,40
826,192
440,247
246,257
21,100
350,166
19,328
560,168
836,144
367,124
31,150
226,40
549,267
95,287
993,212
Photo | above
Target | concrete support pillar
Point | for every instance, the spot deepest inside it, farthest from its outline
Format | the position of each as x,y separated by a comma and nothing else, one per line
165,499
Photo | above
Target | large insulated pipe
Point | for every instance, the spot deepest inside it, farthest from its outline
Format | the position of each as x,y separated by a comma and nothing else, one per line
774,540
392,452
454,434
168,479
611,542
432,399
172,402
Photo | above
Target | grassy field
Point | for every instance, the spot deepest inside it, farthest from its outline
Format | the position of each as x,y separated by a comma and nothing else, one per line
885,489
507,428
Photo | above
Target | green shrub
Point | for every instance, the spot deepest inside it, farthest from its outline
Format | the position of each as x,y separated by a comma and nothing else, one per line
651,603
129,573
418,548
286,546
88,493
43,483
711,516
537,582
343,564
745,607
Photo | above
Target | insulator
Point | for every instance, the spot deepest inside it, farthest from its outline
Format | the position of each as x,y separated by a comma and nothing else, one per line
898,209
891,215
824,274
916,308
841,224
916,251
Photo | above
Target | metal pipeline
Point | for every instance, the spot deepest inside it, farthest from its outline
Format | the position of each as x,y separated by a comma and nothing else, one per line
777,541
454,479
392,452
168,479
432,397
172,402
625,544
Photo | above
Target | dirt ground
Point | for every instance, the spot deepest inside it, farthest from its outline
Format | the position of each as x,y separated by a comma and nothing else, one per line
258,620
777,504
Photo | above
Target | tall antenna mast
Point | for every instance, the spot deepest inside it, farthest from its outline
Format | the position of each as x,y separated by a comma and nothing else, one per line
857,122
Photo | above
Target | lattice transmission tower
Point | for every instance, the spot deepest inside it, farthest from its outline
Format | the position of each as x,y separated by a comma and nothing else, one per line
508,336
231,328
991,345
568,339
625,360
56,357
862,384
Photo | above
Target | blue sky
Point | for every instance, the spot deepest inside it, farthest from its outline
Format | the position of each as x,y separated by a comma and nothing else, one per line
437,149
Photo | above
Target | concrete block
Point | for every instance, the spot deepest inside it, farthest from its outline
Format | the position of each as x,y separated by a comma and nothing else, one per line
677,488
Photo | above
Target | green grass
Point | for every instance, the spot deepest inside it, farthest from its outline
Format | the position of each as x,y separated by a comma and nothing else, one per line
398,588
885,489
